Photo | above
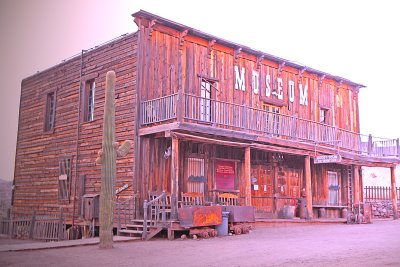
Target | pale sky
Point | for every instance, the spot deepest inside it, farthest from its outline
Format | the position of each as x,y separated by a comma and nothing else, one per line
357,40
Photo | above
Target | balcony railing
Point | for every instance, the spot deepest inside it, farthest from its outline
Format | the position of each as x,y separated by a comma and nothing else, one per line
194,109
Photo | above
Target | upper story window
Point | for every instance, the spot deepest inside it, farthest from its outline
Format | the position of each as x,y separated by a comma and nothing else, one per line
206,87
272,124
50,112
88,100
323,115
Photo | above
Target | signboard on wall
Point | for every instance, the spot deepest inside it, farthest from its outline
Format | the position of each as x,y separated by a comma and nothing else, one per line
327,159
225,175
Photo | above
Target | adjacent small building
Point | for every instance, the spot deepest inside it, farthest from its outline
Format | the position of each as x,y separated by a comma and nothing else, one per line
205,115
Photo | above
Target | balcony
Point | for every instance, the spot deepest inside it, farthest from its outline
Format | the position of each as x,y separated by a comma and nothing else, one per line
274,126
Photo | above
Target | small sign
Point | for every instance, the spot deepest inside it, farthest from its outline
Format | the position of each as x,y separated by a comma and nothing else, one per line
327,159
122,188
62,177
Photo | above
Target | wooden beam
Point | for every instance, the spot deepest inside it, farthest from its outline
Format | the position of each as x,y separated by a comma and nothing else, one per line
394,195
247,177
307,170
356,184
174,178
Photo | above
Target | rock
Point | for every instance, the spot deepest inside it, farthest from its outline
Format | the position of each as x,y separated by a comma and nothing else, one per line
194,236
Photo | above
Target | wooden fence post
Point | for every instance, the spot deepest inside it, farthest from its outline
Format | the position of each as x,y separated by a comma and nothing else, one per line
32,226
61,225
394,195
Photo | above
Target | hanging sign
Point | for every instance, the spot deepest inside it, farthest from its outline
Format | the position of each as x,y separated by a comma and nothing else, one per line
327,159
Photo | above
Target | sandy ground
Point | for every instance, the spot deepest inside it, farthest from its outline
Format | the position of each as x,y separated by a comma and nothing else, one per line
376,244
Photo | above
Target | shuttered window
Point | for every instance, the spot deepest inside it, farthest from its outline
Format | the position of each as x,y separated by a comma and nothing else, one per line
196,175
50,111
64,178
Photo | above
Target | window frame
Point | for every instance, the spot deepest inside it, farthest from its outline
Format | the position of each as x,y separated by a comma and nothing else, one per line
88,100
64,183
50,114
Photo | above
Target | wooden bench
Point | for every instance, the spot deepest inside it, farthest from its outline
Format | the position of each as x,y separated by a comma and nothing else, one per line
228,199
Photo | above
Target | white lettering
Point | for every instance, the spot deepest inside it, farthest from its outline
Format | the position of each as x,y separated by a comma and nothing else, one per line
268,85
255,82
291,91
280,87
303,95
239,80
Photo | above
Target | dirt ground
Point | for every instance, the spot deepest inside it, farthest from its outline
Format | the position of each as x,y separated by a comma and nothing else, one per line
376,244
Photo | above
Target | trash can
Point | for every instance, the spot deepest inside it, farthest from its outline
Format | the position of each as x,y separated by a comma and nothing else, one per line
302,208
222,228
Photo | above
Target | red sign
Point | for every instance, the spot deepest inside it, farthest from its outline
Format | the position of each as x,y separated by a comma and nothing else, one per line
225,175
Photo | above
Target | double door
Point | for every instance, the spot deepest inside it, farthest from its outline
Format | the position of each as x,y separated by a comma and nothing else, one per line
274,187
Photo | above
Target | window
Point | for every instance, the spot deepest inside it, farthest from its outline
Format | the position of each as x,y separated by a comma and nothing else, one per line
272,119
334,188
323,115
50,112
196,175
64,178
205,100
88,100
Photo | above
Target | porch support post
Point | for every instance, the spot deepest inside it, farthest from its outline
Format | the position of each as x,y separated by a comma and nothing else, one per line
356,184
307,169
394,195
247,177
174,178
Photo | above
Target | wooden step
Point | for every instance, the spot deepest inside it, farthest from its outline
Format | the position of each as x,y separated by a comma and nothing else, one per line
127,231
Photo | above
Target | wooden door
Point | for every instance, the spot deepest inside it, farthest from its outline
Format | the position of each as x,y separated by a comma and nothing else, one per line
288,187
333,187
262,190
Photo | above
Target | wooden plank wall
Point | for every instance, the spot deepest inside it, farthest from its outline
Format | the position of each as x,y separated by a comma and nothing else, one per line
36,171
191,56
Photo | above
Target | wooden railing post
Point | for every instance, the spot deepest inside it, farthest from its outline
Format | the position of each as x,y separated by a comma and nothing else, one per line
369,151
180,106
394,195
145,211
245,116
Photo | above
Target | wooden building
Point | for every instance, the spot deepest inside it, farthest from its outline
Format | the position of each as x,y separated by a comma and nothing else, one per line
205,115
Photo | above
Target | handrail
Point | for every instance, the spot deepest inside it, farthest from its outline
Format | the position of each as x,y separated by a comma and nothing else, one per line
241,117
128,211
155,211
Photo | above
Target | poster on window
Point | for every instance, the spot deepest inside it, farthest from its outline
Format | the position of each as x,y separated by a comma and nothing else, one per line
225,175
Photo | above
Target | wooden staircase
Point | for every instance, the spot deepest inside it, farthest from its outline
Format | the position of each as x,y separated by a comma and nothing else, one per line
136,228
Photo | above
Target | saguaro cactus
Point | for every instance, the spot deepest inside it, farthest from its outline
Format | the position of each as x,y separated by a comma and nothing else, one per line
108,159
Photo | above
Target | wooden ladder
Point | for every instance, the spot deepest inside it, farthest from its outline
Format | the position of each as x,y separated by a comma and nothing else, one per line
350,187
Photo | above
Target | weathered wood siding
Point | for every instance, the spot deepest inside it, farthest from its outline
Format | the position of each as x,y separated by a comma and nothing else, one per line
175,60
37,157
